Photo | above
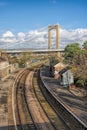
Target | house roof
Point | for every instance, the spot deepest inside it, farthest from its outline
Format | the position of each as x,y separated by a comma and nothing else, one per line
59,65
63,71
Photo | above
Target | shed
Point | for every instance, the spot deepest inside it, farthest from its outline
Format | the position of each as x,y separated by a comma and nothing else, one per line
66,77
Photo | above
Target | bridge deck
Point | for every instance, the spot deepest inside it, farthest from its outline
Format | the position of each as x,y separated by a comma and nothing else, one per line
35,51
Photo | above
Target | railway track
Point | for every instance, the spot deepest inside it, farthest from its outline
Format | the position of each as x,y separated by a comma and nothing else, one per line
35,108
19,114
54,119
40,118
10,110
24,116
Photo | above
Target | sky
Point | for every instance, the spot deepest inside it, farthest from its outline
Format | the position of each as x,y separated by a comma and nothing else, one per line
19,17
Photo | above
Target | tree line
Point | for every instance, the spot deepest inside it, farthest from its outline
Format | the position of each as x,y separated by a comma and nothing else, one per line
76,57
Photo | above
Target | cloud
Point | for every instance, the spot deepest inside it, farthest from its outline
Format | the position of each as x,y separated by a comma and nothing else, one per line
21,37
8,34
35,39
7,40
70,36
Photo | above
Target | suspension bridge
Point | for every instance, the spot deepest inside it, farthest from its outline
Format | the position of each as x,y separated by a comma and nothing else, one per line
40,40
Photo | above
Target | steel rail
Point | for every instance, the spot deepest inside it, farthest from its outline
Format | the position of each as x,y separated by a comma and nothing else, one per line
13,105
43,108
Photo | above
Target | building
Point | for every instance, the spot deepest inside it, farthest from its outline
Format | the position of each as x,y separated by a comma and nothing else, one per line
66,78
63,74
6,68
55,68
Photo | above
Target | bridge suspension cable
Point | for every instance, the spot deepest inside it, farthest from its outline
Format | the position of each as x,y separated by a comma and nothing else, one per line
9,45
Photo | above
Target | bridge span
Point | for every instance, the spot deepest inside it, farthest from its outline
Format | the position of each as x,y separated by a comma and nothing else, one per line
33,51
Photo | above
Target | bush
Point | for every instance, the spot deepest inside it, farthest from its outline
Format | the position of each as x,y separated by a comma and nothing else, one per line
80,83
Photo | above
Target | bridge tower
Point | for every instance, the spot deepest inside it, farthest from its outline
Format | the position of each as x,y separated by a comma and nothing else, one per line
56,27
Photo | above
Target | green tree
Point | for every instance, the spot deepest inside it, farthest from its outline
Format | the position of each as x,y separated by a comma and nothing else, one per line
80,83
77,58
71,50
85,45
79,66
